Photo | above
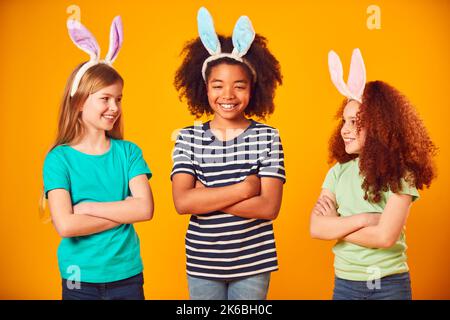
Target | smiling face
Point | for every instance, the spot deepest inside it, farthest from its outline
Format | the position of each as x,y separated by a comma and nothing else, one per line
353,140
102,108
228,89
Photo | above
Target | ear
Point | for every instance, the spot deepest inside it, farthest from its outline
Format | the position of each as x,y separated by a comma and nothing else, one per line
83,39
357,75
243,36
207,32
336,73
115,40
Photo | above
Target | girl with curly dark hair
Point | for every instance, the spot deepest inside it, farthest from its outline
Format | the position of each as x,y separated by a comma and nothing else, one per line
228,173
383,154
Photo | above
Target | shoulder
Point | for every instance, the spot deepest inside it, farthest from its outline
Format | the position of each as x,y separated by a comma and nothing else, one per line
191,130
126,146
56,154
338,168
262,127
191,133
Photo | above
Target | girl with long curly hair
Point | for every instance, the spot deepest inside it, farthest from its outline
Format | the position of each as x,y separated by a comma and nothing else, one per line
383,154
228,173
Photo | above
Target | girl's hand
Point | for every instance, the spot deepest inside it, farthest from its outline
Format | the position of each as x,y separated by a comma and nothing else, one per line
325,207
82,208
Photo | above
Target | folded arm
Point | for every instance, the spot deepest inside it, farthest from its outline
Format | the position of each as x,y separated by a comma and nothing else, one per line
137,208
68,224
326,224
191,200
386,233
266,205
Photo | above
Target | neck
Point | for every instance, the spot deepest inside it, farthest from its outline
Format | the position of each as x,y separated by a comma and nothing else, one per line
221,123
93,141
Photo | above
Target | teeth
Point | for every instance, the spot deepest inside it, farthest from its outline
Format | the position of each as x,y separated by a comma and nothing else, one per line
227,105
108,117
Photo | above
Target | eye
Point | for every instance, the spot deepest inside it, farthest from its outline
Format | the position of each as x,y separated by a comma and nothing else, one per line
105,98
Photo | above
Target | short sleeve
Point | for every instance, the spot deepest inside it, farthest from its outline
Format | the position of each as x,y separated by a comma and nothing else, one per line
272,164
182,157
55,173
137,164
331,179
407,189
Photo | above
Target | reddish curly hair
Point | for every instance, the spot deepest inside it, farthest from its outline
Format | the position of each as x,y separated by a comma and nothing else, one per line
397,143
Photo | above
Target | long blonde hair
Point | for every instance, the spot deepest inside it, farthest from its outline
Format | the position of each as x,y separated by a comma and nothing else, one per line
70,125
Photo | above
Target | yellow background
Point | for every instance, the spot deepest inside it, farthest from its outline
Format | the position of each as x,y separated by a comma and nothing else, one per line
410,51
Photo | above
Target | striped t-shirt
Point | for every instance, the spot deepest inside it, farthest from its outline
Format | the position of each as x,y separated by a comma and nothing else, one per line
220,245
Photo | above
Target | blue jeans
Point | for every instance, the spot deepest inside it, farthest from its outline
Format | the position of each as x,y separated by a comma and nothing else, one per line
250,288
126,289
393,287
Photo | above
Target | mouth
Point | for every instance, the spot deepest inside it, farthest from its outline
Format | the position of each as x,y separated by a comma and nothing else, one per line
228,106
348,140
109,117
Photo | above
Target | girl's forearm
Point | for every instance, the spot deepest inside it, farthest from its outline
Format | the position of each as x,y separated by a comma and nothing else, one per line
74,225
333,227
205,200
258,207
127,211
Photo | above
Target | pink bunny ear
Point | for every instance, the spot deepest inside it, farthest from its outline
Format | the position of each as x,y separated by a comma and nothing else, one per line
115,39
336,73
83,39
357,75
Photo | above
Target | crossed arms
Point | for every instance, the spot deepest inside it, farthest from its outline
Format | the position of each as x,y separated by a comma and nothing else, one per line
254,197
92,217
365,229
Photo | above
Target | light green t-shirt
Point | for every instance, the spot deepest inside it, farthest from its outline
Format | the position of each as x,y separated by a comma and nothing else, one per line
113,254
354,262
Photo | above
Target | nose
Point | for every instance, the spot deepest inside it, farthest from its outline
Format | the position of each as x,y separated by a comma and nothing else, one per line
113,106
228,93
345,129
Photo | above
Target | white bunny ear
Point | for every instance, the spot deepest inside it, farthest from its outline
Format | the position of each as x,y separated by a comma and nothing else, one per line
243,36
206,31
357,75
83,39
336,73
115,40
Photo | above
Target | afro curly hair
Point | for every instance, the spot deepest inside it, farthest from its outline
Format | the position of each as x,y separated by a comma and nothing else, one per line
190,84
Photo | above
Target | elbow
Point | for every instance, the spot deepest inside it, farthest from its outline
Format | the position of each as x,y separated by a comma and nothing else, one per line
271,211
271,214
316,232
181,207
148,214
64,230
387,241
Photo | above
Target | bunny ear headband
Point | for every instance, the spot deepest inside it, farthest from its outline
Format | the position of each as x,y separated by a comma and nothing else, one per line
356,78
84,40
243,36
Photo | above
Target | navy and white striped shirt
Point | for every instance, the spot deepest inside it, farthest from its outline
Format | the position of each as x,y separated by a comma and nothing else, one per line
220,245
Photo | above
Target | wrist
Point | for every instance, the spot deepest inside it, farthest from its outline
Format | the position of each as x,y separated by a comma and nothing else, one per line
243,190
364,220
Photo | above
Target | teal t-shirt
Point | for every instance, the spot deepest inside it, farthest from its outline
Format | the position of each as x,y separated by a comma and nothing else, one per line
354,262
113,254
